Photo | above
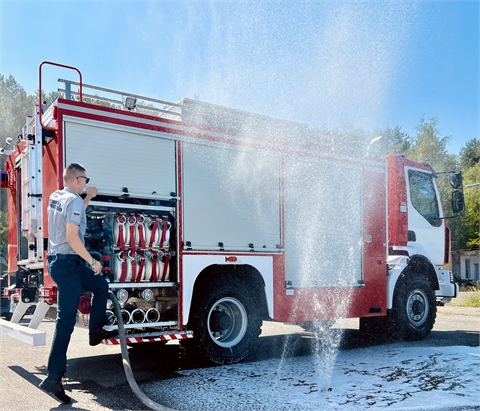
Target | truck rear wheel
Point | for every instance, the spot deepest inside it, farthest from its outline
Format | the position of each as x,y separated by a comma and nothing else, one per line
225,320
414,308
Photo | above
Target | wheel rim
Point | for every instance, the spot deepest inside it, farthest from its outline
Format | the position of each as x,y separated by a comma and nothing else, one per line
417,307
227,322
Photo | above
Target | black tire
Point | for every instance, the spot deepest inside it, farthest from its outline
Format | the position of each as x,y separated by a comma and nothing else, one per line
226,321
414,308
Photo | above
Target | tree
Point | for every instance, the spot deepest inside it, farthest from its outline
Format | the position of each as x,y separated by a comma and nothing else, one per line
470,154
397,141
15,105
472,206
429,147
470,166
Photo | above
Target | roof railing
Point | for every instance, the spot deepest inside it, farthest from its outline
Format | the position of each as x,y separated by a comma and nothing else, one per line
122,100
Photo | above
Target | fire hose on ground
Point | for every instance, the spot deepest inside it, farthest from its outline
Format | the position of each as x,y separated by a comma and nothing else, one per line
126,362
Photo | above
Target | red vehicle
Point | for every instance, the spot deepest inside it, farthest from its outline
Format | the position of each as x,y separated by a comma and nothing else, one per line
210,220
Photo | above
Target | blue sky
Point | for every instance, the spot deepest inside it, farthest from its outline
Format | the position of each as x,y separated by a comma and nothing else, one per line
366,63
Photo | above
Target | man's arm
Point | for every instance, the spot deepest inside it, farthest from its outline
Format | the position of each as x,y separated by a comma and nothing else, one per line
78,246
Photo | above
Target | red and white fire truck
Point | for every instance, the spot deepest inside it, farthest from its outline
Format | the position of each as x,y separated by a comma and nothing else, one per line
210,220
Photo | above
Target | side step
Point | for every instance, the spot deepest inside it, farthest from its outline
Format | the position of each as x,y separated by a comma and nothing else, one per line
22,333
153,337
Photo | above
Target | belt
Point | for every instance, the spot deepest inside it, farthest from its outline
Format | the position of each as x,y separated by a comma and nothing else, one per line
64,256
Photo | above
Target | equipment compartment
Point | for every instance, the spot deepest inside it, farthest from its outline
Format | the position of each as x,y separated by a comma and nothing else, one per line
136,244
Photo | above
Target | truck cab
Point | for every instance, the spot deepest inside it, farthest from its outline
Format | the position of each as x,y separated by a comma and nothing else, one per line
418,247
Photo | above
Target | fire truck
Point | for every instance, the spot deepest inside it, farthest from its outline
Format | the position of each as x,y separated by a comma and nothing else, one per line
210,220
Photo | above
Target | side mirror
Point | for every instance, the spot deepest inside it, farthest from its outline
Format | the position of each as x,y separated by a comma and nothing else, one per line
458,202
455,180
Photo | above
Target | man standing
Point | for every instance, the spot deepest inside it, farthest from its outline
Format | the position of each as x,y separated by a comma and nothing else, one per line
73,269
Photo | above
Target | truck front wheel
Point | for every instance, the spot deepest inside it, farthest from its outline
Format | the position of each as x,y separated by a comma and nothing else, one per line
225,321
414,308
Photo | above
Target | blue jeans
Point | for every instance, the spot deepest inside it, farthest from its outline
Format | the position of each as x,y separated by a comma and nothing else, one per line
72,276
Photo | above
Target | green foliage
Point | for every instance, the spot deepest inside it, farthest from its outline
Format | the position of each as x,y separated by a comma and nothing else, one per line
470,154
429,147
469,297
473,300
397,141
15,105
466,227
472,206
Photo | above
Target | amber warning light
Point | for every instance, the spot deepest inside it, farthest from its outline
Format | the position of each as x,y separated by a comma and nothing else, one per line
230,259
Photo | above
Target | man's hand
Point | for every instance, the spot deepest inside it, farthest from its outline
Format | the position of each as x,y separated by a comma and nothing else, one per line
91,193
97,267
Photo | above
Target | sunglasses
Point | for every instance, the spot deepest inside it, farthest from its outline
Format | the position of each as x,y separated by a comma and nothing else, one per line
87,180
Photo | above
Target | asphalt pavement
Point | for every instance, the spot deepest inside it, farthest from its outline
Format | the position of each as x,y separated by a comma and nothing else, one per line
96,380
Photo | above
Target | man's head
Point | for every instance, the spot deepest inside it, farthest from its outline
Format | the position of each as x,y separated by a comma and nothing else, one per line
75,177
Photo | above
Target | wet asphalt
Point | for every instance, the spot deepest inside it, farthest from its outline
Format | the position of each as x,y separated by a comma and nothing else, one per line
96,380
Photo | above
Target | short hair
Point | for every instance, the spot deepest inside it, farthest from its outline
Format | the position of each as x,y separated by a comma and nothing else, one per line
72,170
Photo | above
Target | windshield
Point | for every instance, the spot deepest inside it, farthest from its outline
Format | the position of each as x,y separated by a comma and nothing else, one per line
423,196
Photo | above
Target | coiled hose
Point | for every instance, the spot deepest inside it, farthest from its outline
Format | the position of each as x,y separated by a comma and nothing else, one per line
126,362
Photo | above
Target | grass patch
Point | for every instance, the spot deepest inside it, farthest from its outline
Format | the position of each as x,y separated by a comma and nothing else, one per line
473,300
470,287
467,299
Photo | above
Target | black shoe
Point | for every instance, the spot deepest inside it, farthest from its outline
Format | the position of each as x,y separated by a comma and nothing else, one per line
97,336
55,389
